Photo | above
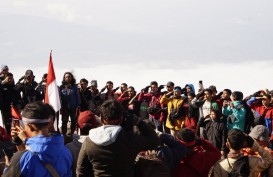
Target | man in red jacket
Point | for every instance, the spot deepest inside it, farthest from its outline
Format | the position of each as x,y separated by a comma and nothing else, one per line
199,161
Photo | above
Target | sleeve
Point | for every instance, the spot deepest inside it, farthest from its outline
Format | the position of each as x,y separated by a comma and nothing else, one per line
14,169
164,99
259,164
142,96
84,167
145,138
252,103
211,152
224,136
177,151
226,111
217,172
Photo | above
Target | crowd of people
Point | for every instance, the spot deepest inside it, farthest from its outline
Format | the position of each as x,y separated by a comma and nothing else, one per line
164,130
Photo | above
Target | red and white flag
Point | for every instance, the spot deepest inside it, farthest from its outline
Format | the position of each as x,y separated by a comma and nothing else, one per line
52,96
15,113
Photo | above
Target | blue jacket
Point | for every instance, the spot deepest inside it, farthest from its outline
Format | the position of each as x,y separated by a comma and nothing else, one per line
49,150
70,97
239,113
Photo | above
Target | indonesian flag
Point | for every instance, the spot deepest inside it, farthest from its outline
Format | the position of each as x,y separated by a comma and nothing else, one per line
52,93
15,113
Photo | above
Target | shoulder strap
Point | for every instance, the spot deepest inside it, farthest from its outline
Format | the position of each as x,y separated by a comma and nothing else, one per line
14,168
51,170
48,166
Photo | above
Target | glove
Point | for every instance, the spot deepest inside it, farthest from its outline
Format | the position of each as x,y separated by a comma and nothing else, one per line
103,89
146,89
115,89
160,88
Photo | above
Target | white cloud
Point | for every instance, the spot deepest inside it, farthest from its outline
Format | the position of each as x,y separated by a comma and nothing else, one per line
246,77
19,3
63,12
8,44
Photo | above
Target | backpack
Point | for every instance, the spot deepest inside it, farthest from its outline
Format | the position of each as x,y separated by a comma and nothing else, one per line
151,166
249,118
240,167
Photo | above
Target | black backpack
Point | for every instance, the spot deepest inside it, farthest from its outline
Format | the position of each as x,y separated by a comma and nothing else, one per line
240,168
249,118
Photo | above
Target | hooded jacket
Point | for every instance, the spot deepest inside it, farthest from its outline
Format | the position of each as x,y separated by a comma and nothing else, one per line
110,150
259,111
42,150
257,164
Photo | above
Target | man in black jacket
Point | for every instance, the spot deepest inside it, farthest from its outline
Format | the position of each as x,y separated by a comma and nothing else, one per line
110,150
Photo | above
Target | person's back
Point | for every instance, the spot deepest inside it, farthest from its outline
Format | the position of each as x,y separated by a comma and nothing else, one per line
110,150
200,160
235,142
41,149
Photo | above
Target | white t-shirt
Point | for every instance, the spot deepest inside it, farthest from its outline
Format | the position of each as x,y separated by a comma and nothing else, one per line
206,108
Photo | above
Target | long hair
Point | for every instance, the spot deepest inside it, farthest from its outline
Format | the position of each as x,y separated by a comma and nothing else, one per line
73,80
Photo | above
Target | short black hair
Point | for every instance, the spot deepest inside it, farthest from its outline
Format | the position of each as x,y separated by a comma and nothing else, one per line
154,83
228,91
187,135
44,76
109,82
124,84
236,139
208,90
84,80
191,94
37,110
237,95
51,110
111,110
9,75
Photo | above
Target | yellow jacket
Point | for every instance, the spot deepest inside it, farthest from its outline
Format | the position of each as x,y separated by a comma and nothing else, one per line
176,103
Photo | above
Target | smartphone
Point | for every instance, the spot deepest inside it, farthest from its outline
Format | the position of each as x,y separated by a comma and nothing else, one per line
15,122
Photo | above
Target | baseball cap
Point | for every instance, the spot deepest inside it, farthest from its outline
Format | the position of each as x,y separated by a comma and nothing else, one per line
170,83
177,89
87,119
94,83
260,132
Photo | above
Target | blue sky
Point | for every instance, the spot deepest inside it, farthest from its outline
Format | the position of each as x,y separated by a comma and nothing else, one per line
226,43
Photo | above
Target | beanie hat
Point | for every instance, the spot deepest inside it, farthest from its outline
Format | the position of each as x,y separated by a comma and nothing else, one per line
87,119
260,132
